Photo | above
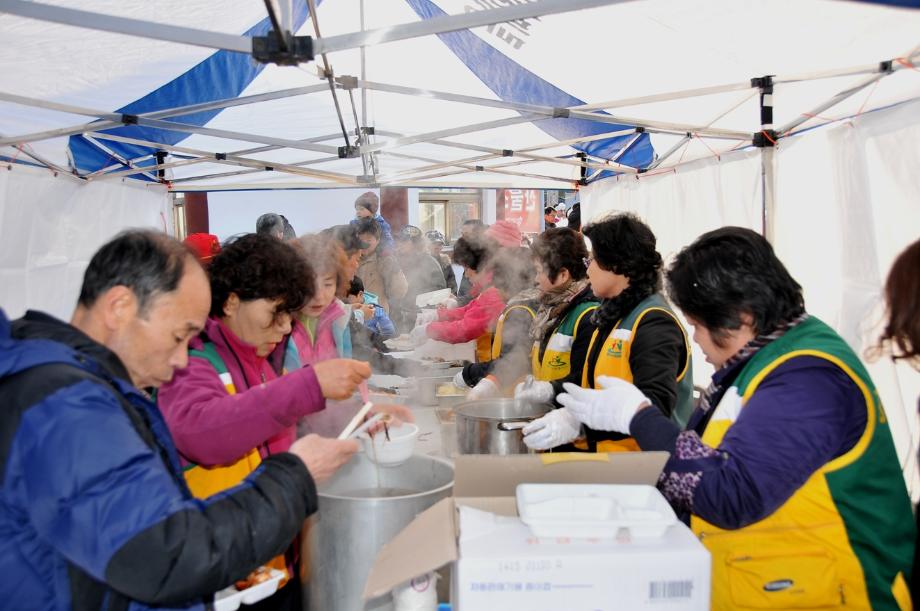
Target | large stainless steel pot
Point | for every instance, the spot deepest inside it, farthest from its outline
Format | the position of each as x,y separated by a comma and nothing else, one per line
358,514
493,426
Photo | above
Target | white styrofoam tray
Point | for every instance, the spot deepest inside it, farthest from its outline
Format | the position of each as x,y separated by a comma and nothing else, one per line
432,298
593,511
230,599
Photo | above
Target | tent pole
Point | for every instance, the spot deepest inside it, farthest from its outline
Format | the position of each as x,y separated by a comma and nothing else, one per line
766,140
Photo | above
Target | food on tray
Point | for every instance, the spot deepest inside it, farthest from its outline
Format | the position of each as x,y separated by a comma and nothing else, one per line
449,390
383,390
260,575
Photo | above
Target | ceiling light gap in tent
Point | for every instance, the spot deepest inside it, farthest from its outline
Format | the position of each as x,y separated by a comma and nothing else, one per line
227,159
498,168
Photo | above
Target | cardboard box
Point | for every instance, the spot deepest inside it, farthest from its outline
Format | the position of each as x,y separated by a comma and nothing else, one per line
505,567
589,575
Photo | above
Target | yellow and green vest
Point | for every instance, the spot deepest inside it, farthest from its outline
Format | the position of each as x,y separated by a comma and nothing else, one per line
556,361
207,481
613,361
497,337
845,539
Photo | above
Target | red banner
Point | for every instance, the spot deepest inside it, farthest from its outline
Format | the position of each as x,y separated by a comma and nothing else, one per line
522,206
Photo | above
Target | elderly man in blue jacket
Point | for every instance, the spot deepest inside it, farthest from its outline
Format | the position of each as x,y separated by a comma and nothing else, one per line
94,511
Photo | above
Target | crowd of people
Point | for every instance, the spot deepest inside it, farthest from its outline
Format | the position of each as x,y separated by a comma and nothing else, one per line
147,440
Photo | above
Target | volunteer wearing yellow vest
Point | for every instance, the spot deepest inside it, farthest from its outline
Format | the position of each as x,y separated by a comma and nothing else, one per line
229,408
512,274
787,471
561,332
633,336
475,320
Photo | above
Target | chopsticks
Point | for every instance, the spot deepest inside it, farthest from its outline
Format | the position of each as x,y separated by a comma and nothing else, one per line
356,420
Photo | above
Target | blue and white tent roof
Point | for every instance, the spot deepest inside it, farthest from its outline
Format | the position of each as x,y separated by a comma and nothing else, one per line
629,63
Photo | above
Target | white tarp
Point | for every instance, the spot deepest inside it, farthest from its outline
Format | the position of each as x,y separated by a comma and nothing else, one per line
51,226
617,52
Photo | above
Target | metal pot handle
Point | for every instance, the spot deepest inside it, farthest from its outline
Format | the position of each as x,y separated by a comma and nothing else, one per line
515,425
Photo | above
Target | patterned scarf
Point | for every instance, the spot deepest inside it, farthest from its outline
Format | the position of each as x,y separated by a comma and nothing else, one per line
733,365
552,304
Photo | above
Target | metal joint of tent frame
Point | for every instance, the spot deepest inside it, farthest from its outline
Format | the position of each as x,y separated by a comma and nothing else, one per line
269,50
767,136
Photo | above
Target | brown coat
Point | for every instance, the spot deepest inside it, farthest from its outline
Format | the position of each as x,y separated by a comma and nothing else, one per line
382,276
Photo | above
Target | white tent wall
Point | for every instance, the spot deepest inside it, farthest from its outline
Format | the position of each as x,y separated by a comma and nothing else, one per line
846,205
50,226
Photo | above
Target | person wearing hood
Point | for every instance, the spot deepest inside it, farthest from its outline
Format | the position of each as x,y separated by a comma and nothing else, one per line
367,206
562,330
475,320
635,336
512,272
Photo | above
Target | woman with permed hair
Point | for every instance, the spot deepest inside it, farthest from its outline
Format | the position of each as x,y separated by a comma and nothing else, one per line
787,471
233,406
636,337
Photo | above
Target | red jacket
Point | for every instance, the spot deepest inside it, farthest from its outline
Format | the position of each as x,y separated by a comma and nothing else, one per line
466,323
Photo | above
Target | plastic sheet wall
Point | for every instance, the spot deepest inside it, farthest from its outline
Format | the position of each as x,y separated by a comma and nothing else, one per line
51,226
846,205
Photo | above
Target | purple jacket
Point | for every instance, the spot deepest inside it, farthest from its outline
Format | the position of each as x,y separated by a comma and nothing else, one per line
805,413
211,427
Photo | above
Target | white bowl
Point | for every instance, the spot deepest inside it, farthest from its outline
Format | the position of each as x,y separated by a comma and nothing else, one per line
394,451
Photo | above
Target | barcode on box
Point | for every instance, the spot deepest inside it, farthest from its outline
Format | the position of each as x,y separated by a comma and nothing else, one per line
658,590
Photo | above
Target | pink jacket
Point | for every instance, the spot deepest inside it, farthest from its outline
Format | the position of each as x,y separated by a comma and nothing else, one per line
466,323
323,346
211,427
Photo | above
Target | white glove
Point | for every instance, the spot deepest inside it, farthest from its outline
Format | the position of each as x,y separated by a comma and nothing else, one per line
484,389
610,408
554,429
459,382
449,303
426,316
535,392
419,335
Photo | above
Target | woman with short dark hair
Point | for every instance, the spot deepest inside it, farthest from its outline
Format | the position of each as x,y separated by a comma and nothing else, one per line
787,471
634,337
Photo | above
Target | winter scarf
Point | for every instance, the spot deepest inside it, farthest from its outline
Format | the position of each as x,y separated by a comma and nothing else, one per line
552,304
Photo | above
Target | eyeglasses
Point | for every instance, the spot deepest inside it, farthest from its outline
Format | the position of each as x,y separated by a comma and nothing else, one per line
587,261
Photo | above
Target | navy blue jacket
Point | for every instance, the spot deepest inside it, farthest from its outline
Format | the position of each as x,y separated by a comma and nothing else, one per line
94,512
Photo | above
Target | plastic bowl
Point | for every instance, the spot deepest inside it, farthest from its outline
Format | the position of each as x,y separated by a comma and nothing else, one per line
395,451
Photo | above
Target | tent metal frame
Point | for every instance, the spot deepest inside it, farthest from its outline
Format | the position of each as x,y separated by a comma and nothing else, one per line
487,159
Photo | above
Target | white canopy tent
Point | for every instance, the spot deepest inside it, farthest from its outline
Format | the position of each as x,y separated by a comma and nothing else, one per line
655,106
